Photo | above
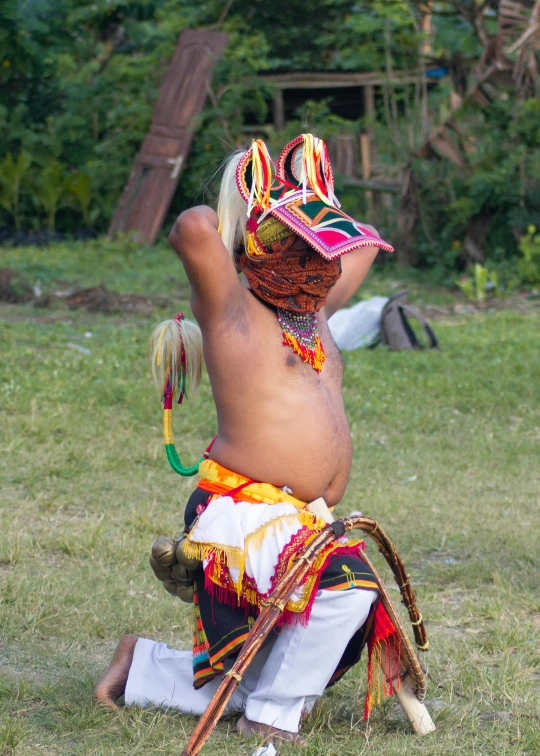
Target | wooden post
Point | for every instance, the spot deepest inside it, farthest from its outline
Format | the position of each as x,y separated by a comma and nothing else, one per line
366,156
365,151
414,710
279,110
368,146
369,112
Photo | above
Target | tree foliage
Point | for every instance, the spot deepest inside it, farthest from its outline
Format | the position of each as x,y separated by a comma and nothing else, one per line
79,81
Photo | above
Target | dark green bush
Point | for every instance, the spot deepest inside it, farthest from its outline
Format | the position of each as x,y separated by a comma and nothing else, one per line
78,81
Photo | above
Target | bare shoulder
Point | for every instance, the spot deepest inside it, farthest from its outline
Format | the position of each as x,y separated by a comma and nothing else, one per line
355,266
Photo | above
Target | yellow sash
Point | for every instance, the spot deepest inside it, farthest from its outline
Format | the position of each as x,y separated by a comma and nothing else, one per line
218,480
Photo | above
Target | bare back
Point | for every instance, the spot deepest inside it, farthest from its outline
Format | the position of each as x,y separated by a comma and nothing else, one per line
279,421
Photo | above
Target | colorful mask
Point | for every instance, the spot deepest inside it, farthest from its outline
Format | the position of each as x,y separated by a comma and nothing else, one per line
303,200
292,279
286,200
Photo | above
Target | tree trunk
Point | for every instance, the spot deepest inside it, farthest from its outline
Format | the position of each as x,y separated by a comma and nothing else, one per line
407,221
475,238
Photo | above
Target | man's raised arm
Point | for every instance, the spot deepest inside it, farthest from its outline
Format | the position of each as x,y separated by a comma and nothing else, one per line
355,266
211,272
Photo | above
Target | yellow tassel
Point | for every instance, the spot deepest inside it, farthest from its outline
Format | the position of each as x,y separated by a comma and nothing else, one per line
253,249
231,556
255,540
252,597
261,169
312,167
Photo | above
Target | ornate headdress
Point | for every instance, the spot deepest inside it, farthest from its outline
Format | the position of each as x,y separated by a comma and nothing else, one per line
285,200
293,198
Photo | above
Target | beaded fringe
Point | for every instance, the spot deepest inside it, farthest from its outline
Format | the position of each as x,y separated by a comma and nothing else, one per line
315,357
300,331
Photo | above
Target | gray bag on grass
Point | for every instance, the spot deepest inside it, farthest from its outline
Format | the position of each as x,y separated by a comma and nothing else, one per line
396,330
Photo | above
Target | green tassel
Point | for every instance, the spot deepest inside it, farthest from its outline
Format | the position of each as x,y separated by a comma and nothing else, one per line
177,466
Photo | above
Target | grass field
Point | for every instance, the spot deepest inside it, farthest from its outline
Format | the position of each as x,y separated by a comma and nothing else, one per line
446,458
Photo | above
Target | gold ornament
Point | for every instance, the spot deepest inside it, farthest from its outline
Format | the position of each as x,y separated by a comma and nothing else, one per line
162,573
170,586
177,576
164,550
185,593
181,575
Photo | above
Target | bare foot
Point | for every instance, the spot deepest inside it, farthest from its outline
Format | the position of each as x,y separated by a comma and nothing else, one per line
248,729
113,681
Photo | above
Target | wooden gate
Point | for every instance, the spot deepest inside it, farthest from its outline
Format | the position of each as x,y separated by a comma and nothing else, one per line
163,154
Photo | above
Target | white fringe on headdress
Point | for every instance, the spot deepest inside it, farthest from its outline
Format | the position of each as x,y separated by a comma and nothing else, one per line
231,207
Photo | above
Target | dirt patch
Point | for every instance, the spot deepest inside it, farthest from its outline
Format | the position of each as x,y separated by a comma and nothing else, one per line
101,299
14,287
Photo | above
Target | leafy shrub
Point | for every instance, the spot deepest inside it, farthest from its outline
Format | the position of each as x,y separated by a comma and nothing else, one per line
481,284
78,82
529,263
13,172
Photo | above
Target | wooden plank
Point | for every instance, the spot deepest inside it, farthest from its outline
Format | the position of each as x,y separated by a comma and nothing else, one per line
279,110
370,114
333,79
161,159
365,148
369,105
365,151
345,158
372,185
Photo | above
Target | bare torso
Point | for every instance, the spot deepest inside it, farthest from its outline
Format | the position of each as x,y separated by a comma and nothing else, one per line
279,421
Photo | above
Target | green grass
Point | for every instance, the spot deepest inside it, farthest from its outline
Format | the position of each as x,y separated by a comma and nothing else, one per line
446,458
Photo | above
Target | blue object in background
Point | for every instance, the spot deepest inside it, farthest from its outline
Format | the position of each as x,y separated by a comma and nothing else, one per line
437,73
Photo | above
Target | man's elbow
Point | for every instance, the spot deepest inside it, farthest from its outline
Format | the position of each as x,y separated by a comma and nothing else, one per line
187,226
192,225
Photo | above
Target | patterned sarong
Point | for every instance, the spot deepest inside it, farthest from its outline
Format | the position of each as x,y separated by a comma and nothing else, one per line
247,534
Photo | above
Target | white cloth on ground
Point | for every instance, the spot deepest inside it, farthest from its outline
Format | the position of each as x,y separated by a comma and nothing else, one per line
358,326
286,677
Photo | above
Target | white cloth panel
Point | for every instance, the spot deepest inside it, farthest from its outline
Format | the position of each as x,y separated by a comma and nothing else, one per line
303,659
228,524
163,676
